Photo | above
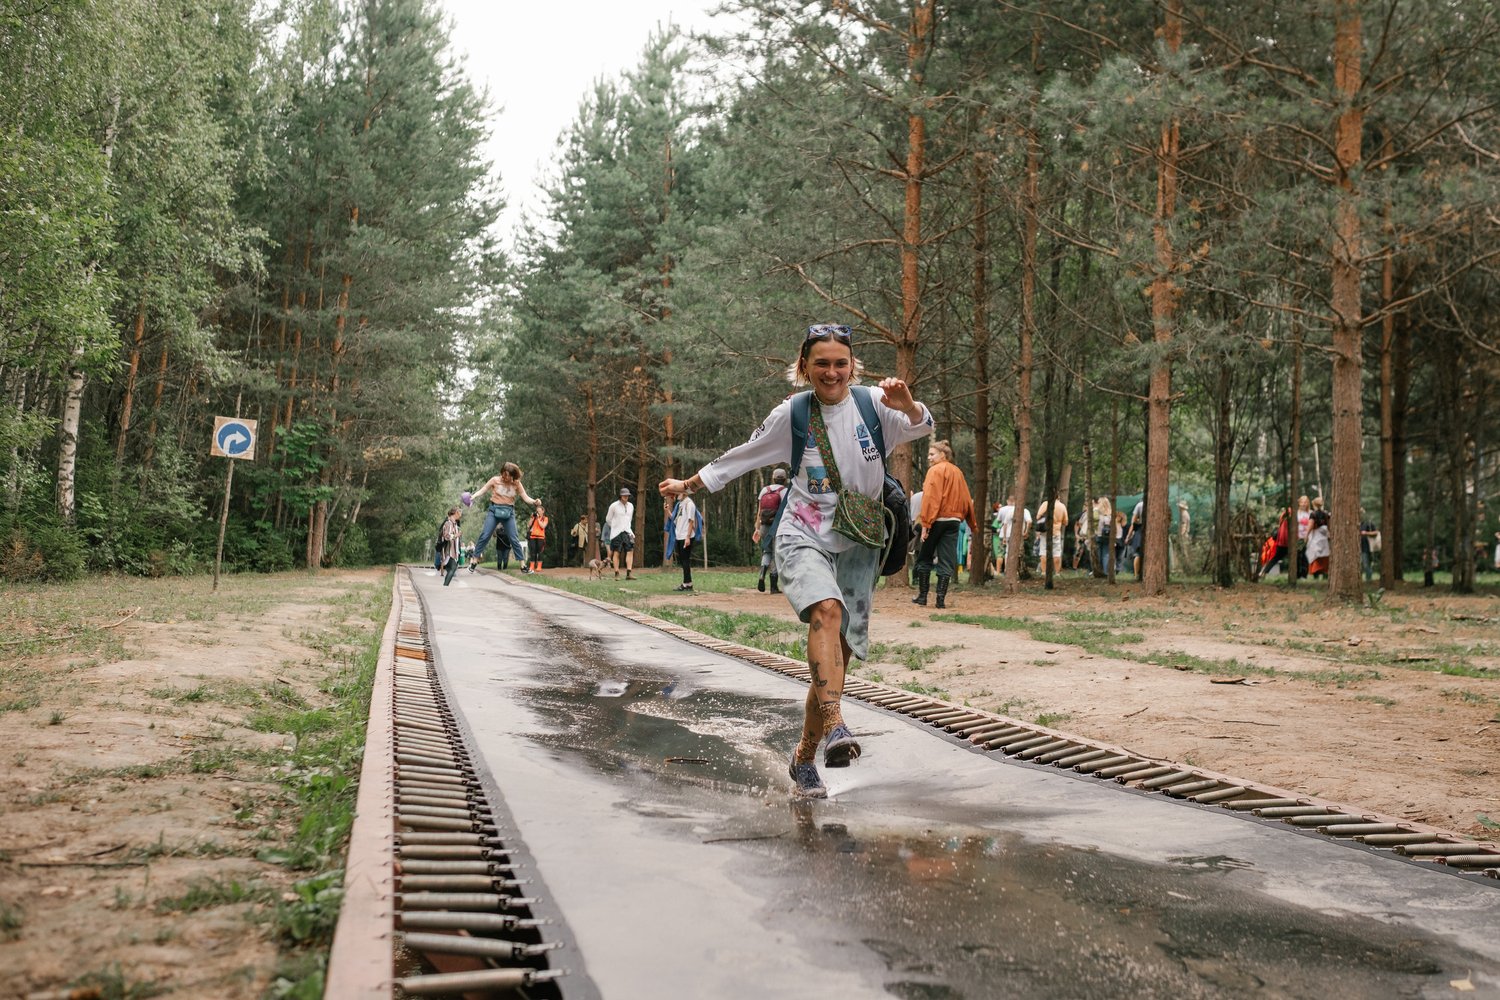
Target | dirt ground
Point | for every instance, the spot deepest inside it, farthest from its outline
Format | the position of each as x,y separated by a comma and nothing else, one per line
135,797
128,835
1346,704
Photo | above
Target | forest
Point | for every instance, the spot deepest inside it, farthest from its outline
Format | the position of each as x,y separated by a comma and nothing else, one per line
1228,254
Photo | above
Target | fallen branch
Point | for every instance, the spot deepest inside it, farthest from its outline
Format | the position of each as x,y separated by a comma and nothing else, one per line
1135,713
122,621
1251,722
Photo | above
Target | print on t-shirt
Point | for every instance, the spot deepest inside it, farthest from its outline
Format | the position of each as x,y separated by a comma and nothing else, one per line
866,446
818,481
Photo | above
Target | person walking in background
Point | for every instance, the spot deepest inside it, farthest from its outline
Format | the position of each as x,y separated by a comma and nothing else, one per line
768,505
828,577
1318,548
1006,518
619,525
579,536
682,524
1052,522
1135,537
503,489
1104,520
1369,545
1184,535
452,540
996,542
536,540
1280,547
946,503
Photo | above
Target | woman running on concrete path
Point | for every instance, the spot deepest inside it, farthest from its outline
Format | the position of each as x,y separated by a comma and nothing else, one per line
828,578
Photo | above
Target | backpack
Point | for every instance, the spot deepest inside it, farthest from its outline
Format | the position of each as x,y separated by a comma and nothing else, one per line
770,504
893,494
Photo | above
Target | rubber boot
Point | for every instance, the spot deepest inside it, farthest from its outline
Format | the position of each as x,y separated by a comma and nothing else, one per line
924,580
774,578
942,591
760,584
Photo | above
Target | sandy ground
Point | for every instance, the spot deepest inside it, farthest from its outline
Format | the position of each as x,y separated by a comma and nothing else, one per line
130,813
105,833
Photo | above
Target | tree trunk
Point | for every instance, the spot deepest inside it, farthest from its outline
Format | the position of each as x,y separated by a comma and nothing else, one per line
1344,582
1027,331
1223,451
161,384
67,439
1294,470
1164,295
918,48
592,501
979,562
1114,485
1400,407
67,432
130,375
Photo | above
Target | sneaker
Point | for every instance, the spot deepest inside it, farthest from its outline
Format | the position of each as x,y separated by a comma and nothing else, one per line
807,784
841,747
628,576
473,566
684,586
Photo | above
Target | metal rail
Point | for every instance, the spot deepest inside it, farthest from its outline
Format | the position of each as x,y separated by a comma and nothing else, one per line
436,904
1038,745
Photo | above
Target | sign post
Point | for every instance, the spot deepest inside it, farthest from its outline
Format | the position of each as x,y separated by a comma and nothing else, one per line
233,438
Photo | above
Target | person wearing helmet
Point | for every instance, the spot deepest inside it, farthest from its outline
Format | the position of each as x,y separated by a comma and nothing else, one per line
619,525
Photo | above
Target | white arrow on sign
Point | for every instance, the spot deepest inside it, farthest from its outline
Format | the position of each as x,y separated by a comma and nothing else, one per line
234,437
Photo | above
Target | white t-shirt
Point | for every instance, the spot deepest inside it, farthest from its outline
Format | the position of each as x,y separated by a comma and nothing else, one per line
809,510
685,520
619,518
1007,514
916,507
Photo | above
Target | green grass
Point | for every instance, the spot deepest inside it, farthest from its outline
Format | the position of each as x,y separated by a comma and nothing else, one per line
111,983
1201,665
1091,638
12,919
911,656
206,894
1376,699
923,689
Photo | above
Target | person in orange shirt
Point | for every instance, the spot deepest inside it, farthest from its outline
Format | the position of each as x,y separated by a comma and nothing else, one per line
536,539
946,503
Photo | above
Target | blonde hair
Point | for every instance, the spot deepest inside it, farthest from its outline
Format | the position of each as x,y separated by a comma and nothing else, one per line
798,377
943,448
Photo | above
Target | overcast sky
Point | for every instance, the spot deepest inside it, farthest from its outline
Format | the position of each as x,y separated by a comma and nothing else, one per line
537,60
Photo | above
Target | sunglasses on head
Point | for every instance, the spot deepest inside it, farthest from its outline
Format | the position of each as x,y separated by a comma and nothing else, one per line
820,331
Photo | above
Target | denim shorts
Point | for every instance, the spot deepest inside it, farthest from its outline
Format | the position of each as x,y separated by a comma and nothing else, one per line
810,574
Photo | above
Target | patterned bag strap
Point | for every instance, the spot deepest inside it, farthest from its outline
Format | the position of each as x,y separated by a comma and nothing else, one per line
820,438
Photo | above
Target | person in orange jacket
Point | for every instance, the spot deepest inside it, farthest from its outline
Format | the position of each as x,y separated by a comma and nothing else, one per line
946,503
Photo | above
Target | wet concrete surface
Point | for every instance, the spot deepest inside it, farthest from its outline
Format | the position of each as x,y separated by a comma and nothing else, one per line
647,778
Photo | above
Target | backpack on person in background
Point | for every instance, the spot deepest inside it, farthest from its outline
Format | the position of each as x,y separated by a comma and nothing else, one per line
770,504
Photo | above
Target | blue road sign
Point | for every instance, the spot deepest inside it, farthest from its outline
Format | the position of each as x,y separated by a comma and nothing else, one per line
234,438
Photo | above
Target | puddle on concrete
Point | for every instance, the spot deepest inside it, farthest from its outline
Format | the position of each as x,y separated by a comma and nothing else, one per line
954,910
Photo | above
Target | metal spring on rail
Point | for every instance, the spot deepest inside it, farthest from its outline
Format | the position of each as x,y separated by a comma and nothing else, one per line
460,906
